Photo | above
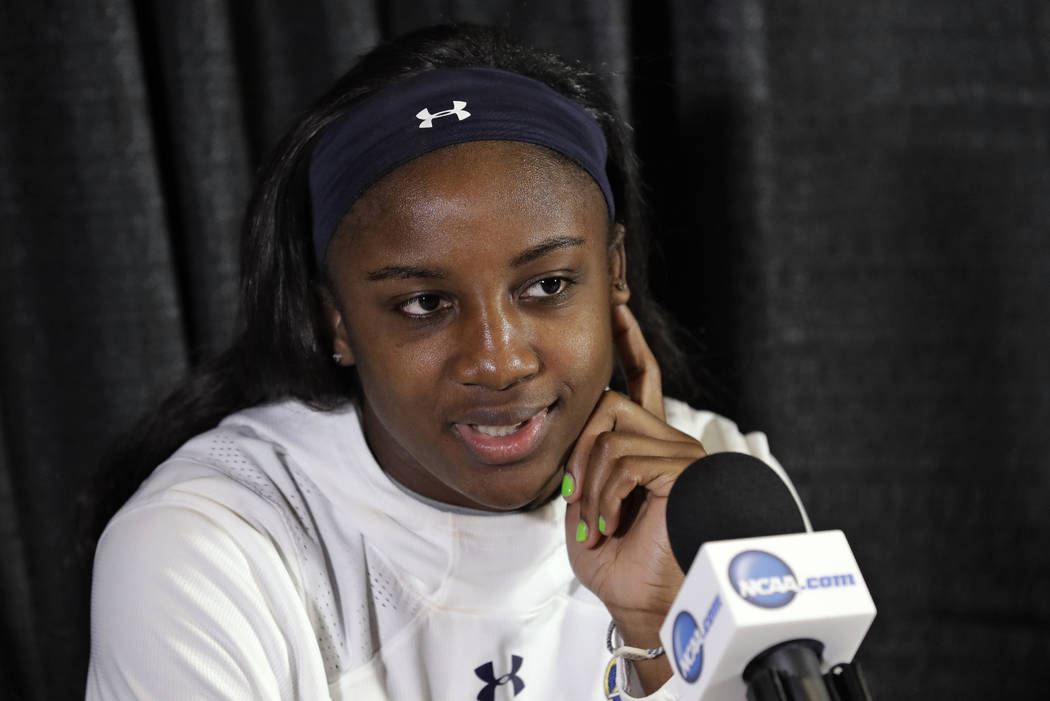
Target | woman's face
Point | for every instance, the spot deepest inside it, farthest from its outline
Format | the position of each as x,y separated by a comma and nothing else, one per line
472,290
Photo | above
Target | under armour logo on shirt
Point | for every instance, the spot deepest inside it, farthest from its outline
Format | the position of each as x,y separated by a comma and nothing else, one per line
486,674
426,120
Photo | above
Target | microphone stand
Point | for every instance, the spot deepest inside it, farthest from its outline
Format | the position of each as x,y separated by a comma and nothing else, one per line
790,671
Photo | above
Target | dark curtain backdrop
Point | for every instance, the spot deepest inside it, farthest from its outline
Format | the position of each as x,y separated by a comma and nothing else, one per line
852,198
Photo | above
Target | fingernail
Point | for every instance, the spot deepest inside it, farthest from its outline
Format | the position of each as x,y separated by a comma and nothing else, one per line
568,485
601,524
581,532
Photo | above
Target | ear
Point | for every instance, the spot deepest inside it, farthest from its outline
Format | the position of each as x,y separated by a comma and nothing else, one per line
619,292
332,316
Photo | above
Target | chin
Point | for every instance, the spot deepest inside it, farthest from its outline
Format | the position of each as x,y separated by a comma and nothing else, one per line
517,497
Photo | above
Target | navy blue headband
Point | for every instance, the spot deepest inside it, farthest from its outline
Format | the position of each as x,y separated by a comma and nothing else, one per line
439,108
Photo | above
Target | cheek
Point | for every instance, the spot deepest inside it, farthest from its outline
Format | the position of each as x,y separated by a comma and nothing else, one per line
396,377
584,350
392,372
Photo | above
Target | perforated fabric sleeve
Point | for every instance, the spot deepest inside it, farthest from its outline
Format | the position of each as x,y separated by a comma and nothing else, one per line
185,605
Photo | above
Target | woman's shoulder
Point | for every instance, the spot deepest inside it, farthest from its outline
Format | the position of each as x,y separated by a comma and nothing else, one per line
720,435
717,433
267,451
246,482
232,483
227,523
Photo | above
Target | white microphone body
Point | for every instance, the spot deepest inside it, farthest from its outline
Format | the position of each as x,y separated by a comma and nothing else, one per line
741,597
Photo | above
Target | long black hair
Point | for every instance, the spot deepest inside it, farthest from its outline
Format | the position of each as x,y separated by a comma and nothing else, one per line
283,348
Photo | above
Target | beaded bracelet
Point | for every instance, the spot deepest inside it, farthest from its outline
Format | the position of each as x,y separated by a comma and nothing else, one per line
626,651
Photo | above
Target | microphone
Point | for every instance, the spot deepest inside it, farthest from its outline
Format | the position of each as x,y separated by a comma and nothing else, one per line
767,611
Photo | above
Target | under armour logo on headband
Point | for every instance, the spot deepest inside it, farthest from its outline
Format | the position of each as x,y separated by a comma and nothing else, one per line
376,134
427,120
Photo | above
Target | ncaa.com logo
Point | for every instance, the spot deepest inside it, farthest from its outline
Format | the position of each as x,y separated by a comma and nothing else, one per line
688,639
688,646
765,580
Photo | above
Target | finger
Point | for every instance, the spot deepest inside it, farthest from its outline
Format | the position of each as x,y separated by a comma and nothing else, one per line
614,413
638,362
655,474
572,529
610,452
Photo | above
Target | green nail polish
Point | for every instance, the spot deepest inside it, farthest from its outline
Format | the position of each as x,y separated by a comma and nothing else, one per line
581,532
568,486
601,524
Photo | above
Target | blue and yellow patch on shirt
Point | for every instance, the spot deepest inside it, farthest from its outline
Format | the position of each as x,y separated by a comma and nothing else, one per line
612,691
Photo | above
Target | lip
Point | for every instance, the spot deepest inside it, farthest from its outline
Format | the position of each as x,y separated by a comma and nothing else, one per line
499,450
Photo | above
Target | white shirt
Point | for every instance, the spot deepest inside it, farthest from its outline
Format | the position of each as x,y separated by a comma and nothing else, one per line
272,558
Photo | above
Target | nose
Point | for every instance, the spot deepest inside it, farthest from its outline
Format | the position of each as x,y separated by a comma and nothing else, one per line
493,349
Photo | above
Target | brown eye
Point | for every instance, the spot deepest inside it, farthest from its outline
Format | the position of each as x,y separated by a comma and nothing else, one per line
547,287
429,303
551,285
422,305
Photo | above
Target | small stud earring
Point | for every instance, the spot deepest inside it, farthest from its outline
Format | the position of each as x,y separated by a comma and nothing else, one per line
338,358
620,285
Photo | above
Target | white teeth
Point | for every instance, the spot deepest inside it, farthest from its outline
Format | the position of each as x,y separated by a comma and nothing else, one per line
497,431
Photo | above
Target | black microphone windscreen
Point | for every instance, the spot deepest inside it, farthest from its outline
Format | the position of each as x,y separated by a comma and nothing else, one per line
724,496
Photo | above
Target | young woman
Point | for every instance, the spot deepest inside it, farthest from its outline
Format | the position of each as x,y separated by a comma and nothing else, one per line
439,266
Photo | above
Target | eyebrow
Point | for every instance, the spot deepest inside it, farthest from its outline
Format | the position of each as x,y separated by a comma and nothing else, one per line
406,272
548,246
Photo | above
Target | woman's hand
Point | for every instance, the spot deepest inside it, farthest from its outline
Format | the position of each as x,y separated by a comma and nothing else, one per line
622,469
